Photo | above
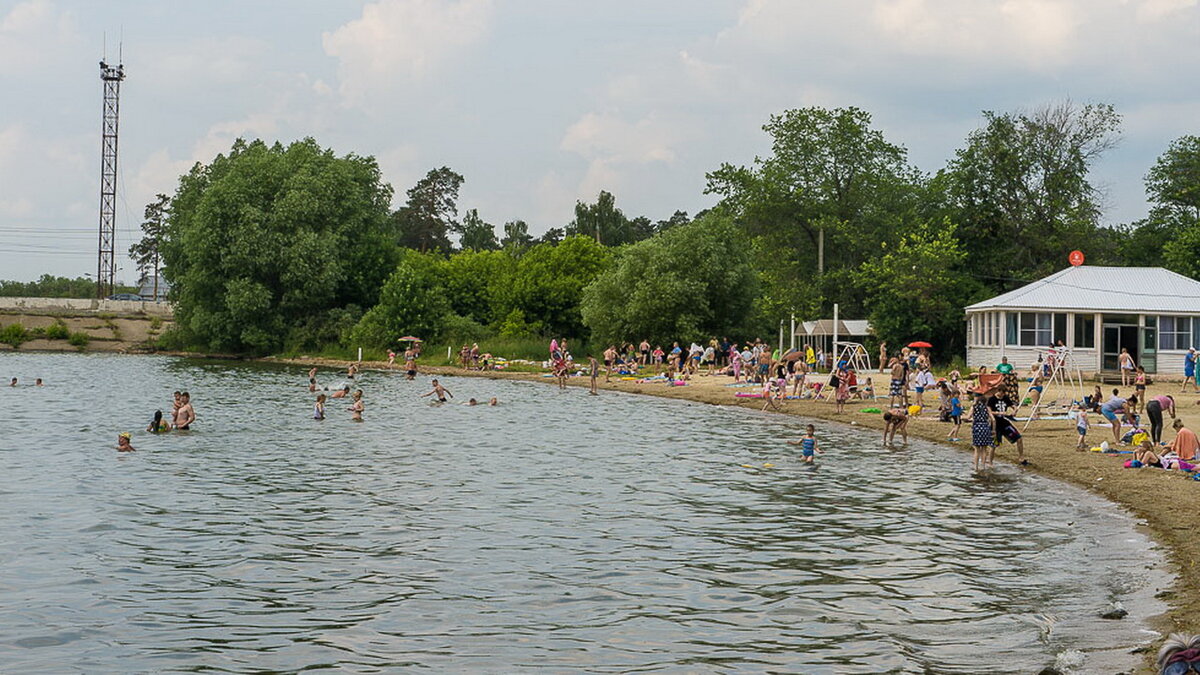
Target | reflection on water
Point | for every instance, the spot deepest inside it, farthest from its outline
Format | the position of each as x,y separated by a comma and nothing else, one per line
556,531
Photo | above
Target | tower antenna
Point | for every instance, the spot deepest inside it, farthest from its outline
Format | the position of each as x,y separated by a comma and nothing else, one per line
106,264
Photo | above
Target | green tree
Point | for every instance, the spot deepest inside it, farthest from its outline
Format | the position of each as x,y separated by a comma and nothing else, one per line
147,253
50,286
602,221
516,237
476,284
552,236
1020,188
914,290
1173,184
261,239
549,282
678,218
477,235
1182,253
831,185
412,301
690,282
429,216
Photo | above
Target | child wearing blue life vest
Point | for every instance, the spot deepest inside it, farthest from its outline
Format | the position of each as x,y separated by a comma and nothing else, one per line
956,412
808,445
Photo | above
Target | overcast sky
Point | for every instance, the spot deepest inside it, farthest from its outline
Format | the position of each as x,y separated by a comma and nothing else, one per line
542,102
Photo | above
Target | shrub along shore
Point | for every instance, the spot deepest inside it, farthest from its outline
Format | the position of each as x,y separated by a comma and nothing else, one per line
1165,500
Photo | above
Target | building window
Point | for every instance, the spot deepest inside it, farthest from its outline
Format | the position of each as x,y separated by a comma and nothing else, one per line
1031,329
1085,331
1174,332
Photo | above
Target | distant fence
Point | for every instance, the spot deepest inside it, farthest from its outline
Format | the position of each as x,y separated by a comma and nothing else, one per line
68,305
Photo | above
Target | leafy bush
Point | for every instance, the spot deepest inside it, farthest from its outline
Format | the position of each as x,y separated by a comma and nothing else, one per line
463,330
78,339
57,331
413,301
155,323
14,334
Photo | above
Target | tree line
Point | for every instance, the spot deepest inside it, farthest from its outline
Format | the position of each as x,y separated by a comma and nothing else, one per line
274,248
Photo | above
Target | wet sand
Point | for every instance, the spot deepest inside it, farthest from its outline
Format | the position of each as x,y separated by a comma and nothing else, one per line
1165,500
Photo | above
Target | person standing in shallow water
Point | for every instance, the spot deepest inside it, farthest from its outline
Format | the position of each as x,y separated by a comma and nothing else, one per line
186,414
356,408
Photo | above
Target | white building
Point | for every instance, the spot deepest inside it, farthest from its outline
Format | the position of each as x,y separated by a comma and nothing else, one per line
1152,312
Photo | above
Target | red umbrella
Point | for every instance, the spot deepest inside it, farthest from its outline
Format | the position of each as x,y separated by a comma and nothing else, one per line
920,345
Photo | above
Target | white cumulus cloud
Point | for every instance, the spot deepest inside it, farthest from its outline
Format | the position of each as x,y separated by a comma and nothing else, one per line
403,39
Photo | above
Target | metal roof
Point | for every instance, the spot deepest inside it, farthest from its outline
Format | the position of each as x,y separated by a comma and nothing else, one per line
846,327
1136,290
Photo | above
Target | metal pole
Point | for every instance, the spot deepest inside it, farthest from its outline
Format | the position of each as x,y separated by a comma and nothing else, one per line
780,343
833,361
821,251
792,339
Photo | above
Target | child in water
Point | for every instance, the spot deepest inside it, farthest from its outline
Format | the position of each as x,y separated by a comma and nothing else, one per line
158,425
808,445
123,444
319,408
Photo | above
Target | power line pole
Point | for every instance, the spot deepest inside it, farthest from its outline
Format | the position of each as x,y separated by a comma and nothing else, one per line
106,265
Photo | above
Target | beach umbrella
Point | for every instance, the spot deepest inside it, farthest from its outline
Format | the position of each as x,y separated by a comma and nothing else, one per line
920,345
409,338
794,355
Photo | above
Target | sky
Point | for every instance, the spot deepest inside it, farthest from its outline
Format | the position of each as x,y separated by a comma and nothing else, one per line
539,103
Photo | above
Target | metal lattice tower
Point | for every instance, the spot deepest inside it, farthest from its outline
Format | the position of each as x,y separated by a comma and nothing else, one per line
106,267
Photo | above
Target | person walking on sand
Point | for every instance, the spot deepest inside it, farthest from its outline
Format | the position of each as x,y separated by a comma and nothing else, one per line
391,359
982,438
1081,426
1125,362
593,374
1189,370
842,393
735,364
610,357
897,391
808,444
883,359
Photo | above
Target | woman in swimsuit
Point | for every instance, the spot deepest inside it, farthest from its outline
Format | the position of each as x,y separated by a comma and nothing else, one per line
319,408
158,425
356,409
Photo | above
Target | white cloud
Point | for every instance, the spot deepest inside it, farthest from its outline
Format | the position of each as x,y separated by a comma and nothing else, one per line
403,39
36,30
1155,10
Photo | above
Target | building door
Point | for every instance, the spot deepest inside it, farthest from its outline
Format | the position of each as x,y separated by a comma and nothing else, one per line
1120,332
1149,356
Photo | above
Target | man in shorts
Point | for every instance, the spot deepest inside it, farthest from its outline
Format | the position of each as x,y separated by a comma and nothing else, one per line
1000,404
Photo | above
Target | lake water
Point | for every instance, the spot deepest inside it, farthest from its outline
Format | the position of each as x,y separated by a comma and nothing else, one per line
556,531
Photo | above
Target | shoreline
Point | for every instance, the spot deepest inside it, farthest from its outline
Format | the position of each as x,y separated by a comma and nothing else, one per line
1160,500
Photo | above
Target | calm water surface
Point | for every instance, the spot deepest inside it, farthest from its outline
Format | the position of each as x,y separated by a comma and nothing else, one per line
557,531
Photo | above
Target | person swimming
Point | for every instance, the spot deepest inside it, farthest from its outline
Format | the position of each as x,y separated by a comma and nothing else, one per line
341,393
439,390
493,401
472,402
158,425
123,444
